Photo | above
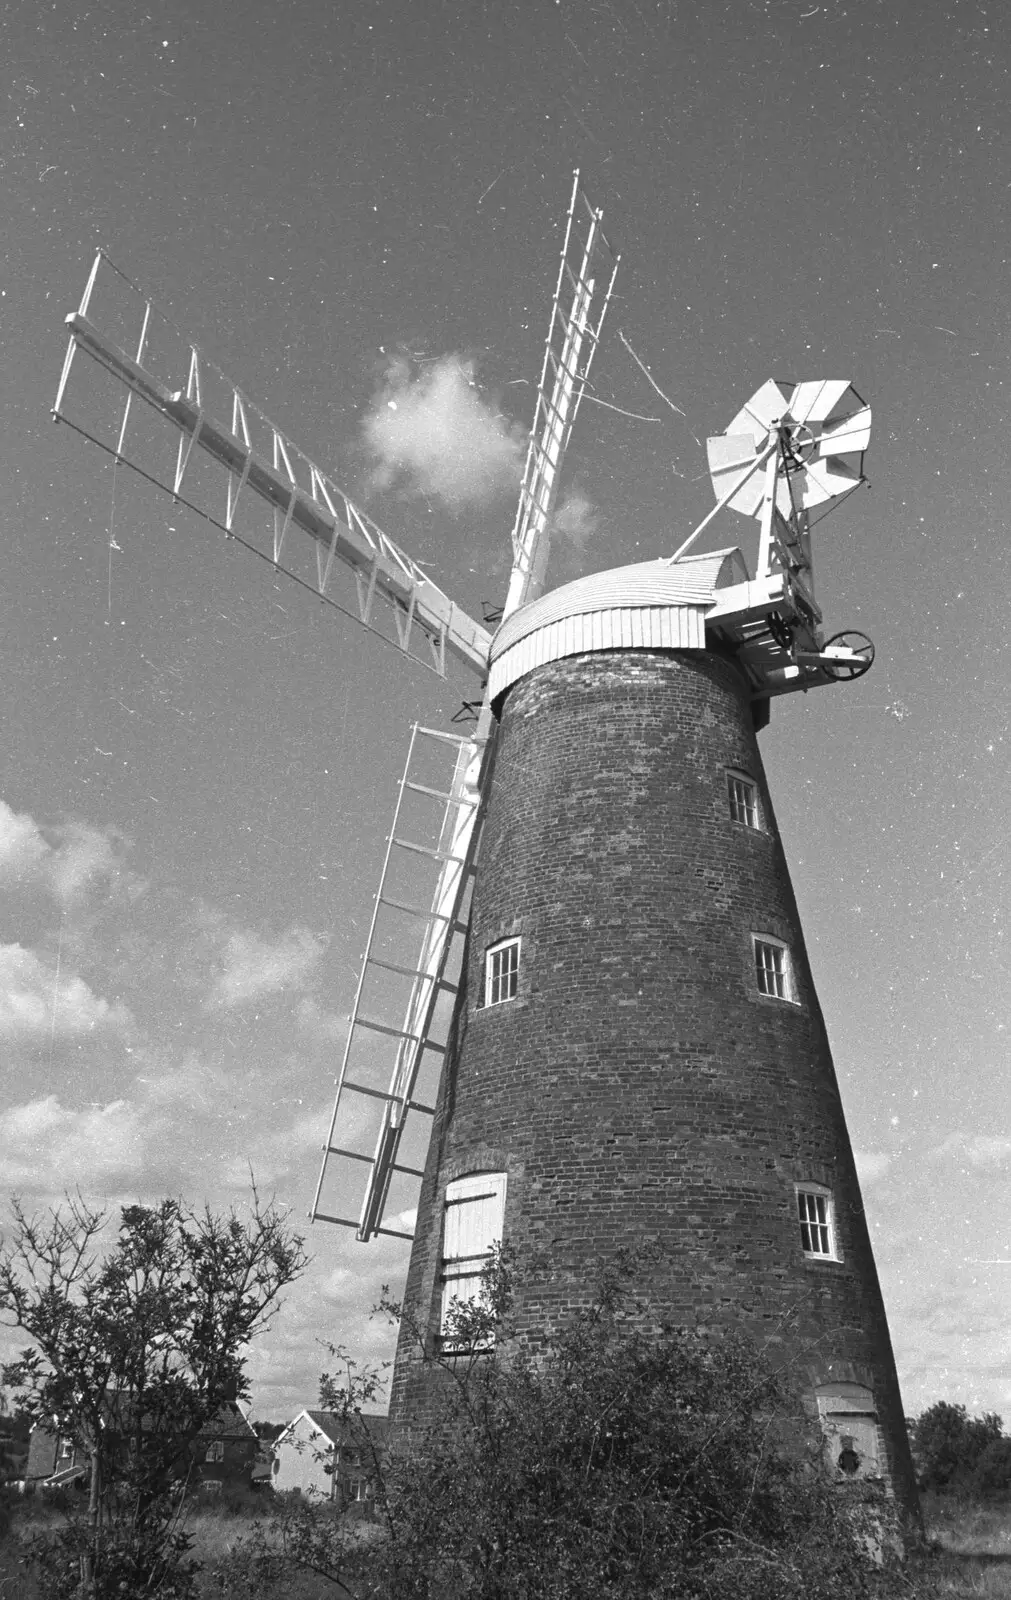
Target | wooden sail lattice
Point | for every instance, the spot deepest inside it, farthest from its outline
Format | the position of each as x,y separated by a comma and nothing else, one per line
243,475
392,1061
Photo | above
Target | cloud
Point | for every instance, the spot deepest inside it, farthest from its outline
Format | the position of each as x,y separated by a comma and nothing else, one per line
253,967
68,859
576,519
434,434
43,1143
279,1152
871,1165
35,1005
980,1150
328,1026
22,847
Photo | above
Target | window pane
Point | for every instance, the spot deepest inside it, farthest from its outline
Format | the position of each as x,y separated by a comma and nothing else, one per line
743,800
770,969
502,973
815,1229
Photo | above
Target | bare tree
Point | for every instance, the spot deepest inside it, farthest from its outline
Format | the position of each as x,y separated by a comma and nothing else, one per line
136,1343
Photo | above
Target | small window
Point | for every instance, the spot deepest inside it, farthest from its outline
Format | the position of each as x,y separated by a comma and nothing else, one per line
472,1227
215,1450
773,969
501,972
817,1224
742,793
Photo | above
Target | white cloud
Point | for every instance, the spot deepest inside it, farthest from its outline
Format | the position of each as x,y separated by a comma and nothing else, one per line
277,1151
45,1144
253,967
22,847
35,1005
871,1165
320,1024
68,859
979,1150
434,434
576,519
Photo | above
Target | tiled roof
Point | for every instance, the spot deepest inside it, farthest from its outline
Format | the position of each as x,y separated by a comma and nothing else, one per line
229,1423
336,1429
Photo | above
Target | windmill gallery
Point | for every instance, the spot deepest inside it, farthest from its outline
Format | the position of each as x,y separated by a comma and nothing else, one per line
611,1033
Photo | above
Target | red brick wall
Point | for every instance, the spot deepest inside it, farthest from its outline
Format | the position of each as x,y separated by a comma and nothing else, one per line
639,1086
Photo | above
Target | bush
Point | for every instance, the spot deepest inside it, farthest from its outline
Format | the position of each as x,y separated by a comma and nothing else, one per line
991,1475
949,1447
624,1458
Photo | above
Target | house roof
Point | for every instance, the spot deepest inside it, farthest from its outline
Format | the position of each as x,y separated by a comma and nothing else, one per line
335,1427
229,1423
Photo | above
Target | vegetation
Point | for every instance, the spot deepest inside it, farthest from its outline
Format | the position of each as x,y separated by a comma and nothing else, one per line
954,1452
624,1458
134,1348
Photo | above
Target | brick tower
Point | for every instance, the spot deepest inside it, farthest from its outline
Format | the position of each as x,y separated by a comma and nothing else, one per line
637,1050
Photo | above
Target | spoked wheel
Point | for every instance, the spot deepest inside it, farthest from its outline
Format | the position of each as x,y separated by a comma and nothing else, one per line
846,671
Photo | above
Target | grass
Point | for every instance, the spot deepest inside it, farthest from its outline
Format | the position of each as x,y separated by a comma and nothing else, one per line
217,1526
969,1550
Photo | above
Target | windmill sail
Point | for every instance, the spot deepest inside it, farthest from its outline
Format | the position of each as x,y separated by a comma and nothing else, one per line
577,315
177,438
379,1109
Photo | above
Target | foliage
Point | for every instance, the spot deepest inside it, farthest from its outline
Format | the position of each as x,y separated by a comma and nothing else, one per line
621,1458
135,1347
954,1451
991,1476
267,1432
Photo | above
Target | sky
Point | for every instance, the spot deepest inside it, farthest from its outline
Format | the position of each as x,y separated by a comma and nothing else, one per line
356,212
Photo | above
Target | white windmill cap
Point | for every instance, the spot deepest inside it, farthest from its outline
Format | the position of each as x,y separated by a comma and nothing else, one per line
651,605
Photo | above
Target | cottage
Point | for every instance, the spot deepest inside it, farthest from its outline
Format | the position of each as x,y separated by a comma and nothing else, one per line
223,1452
322,1455
55,1460
225,1449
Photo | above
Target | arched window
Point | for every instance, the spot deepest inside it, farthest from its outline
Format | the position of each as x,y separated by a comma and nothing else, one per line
472,1226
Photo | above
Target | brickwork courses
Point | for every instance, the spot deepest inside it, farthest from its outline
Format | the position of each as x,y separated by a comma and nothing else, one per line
639,1087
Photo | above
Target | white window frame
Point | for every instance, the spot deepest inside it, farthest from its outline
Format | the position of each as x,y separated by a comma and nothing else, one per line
814,1208
774,979
472,1226
501,977
65,1448
215,1451
746,802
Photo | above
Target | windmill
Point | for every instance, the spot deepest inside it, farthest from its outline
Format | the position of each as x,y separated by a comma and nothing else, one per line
611,1030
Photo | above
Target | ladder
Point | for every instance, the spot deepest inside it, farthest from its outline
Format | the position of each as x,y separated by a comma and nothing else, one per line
382,1118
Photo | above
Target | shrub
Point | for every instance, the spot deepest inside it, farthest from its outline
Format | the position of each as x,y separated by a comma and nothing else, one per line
948,1446
623,1458
991,1475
